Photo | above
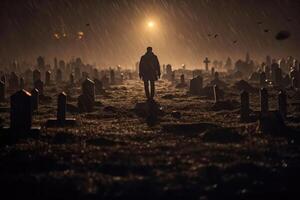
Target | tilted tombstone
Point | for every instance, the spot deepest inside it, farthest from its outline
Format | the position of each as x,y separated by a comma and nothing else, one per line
36,74
2,91
264,101
282,103
48,77
245,106
20,111
39,85
34,100
196,85
13,82
86,100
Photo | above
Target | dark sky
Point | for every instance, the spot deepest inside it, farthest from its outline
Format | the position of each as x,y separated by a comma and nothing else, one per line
116,32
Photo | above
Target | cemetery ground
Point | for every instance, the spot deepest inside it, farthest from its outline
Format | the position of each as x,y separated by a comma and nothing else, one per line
113,153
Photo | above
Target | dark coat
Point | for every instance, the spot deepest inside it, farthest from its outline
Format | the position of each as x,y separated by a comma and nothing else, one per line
149,67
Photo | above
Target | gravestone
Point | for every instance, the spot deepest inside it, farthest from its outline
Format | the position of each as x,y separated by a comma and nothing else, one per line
34,100
206,62
112,76
264,101
98,86
39,85
86,100
245,106
61,119
59,76
48,78
182,83
22,83
13,82
72,79
105,81
20,111
3,79
282,103
216,93
77,73
278,76
196,85
28,76
262,79
36,74
169,71
212,71
2,91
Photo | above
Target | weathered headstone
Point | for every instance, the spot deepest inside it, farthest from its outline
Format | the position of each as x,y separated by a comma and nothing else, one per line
282,103
216,93
196,85
20,111
98,86
48,78
61,119
264,101
22,83
262,79
39,85
72,79
36,75
13,82
86,100
59,76
34,100
2,91
245,106
112,76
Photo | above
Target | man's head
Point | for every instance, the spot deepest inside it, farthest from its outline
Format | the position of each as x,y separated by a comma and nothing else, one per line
149,49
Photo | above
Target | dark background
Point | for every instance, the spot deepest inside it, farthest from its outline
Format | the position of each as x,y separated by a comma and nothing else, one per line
115,31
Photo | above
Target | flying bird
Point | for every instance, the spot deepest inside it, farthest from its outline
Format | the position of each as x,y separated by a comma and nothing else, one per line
282,35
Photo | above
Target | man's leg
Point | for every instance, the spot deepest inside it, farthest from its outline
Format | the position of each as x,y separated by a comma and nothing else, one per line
146,87
152,85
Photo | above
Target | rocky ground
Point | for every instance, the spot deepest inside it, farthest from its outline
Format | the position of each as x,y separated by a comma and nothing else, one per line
114,154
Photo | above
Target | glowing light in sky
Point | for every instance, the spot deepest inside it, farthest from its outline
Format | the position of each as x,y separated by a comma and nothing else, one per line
151,24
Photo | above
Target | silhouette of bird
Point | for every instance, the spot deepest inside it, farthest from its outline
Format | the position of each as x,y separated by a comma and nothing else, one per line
235,41
87,24
266,30
216,35
282,35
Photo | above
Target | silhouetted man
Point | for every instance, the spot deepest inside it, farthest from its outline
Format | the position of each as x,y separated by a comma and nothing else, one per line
149,69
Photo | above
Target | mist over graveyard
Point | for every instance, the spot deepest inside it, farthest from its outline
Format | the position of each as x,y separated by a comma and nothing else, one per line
149,99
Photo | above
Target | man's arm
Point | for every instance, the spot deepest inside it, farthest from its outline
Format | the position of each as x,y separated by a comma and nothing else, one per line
157,67
141,67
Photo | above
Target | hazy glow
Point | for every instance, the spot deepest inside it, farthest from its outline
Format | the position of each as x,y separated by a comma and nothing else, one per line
151,24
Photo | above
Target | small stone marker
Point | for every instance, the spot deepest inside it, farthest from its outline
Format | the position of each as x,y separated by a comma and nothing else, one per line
34,100
216,93
264,101
20,111
58,76
36,75
245,108
86,100
39,85
72,79
61,119
262,79
282,103
22,83
2,91
196,85
48,78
